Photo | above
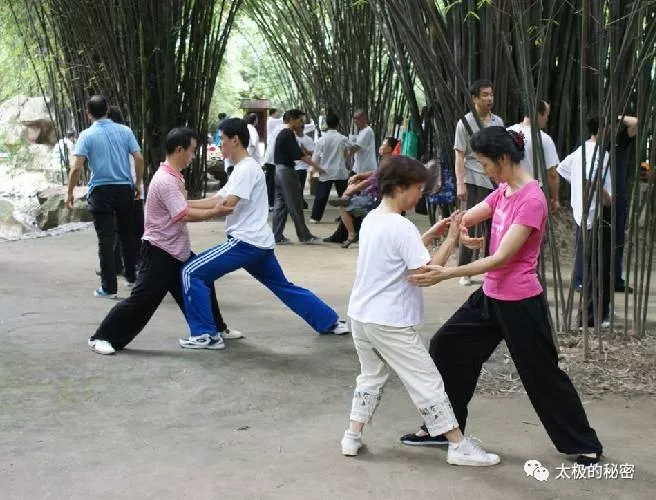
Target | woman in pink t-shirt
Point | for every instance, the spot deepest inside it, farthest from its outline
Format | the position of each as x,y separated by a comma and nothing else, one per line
510,306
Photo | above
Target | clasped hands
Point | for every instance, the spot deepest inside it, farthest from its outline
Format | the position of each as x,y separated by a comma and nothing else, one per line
431,274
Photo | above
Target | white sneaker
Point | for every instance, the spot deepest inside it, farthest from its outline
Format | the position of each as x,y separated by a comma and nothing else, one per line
465,281
341,328
204,341
232,334
469,452
101,346
605,323
312,221
351,443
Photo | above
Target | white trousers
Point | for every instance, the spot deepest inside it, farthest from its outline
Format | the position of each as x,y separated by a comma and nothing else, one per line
400,349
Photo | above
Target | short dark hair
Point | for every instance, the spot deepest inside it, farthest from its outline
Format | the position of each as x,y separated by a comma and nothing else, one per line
179,137
115,115
251,118
392,142
494,142
272,111
400,171
222,116
332,120
542,107
237,127
97,106
592,122
478,85
292,114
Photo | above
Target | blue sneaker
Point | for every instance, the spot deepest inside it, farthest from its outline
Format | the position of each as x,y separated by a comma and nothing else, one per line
103,294
204,341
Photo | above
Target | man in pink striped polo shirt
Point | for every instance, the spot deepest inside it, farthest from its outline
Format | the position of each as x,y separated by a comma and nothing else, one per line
165,250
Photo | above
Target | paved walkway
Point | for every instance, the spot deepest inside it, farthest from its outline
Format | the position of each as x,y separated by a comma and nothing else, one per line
261,419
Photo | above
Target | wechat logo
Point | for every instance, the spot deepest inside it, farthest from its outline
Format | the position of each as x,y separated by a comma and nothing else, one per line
534,469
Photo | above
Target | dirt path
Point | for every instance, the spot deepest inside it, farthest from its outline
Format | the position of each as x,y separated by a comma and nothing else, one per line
261,419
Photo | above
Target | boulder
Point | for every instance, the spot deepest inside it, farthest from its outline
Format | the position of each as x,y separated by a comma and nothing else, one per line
10,227
35,116
53,211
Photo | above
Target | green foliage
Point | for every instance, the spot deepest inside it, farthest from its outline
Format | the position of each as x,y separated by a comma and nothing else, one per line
17,74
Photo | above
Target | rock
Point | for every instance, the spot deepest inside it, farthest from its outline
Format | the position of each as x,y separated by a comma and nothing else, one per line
35,116
11,132
53,211
10,227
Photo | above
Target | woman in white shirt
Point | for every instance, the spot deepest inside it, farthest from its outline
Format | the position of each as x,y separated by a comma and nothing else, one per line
385,309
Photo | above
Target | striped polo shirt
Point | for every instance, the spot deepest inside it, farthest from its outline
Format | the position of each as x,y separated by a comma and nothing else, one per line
166,206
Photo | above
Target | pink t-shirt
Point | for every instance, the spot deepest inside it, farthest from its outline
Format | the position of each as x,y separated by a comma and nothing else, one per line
517,279
166,206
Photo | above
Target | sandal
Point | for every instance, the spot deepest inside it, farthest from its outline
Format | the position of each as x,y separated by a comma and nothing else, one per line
348,242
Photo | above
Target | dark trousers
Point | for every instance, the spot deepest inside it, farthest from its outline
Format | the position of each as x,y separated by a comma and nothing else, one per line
289,200
322,194
475,194
471,335
138,233
601,273
270,177
112,208
302,177
621,214
160,273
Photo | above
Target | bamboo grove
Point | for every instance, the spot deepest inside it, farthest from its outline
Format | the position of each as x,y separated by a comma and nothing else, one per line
156,59
159,61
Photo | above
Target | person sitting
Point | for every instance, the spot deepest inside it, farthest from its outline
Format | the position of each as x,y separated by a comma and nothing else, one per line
361,195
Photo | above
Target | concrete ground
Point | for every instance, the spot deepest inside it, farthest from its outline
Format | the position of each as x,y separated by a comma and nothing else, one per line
261,419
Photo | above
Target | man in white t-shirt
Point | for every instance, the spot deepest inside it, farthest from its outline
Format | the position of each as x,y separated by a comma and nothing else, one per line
249,246
300,167
550,154
274,125
62,152
571,169
254,138
364,148
330,153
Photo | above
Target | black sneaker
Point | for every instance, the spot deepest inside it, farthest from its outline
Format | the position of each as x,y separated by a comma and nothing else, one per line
413,440
586,461
622,288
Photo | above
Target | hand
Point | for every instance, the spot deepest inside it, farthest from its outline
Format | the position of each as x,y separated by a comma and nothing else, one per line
461,191
454,227
69,200
439,228
220,209
468,241
321,171
137,193
353,179
429,275
555,205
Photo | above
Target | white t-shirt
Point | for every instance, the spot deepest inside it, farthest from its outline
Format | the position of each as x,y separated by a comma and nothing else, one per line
249,221
254,143
307,143
390,246
60,150
133,169
329,153
365,157
570,170
274,125
548,147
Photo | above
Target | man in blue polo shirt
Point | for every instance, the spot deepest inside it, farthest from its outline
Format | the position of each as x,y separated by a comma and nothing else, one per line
111,191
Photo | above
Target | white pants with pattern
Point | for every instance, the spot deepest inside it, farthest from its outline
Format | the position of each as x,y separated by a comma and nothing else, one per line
400,349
